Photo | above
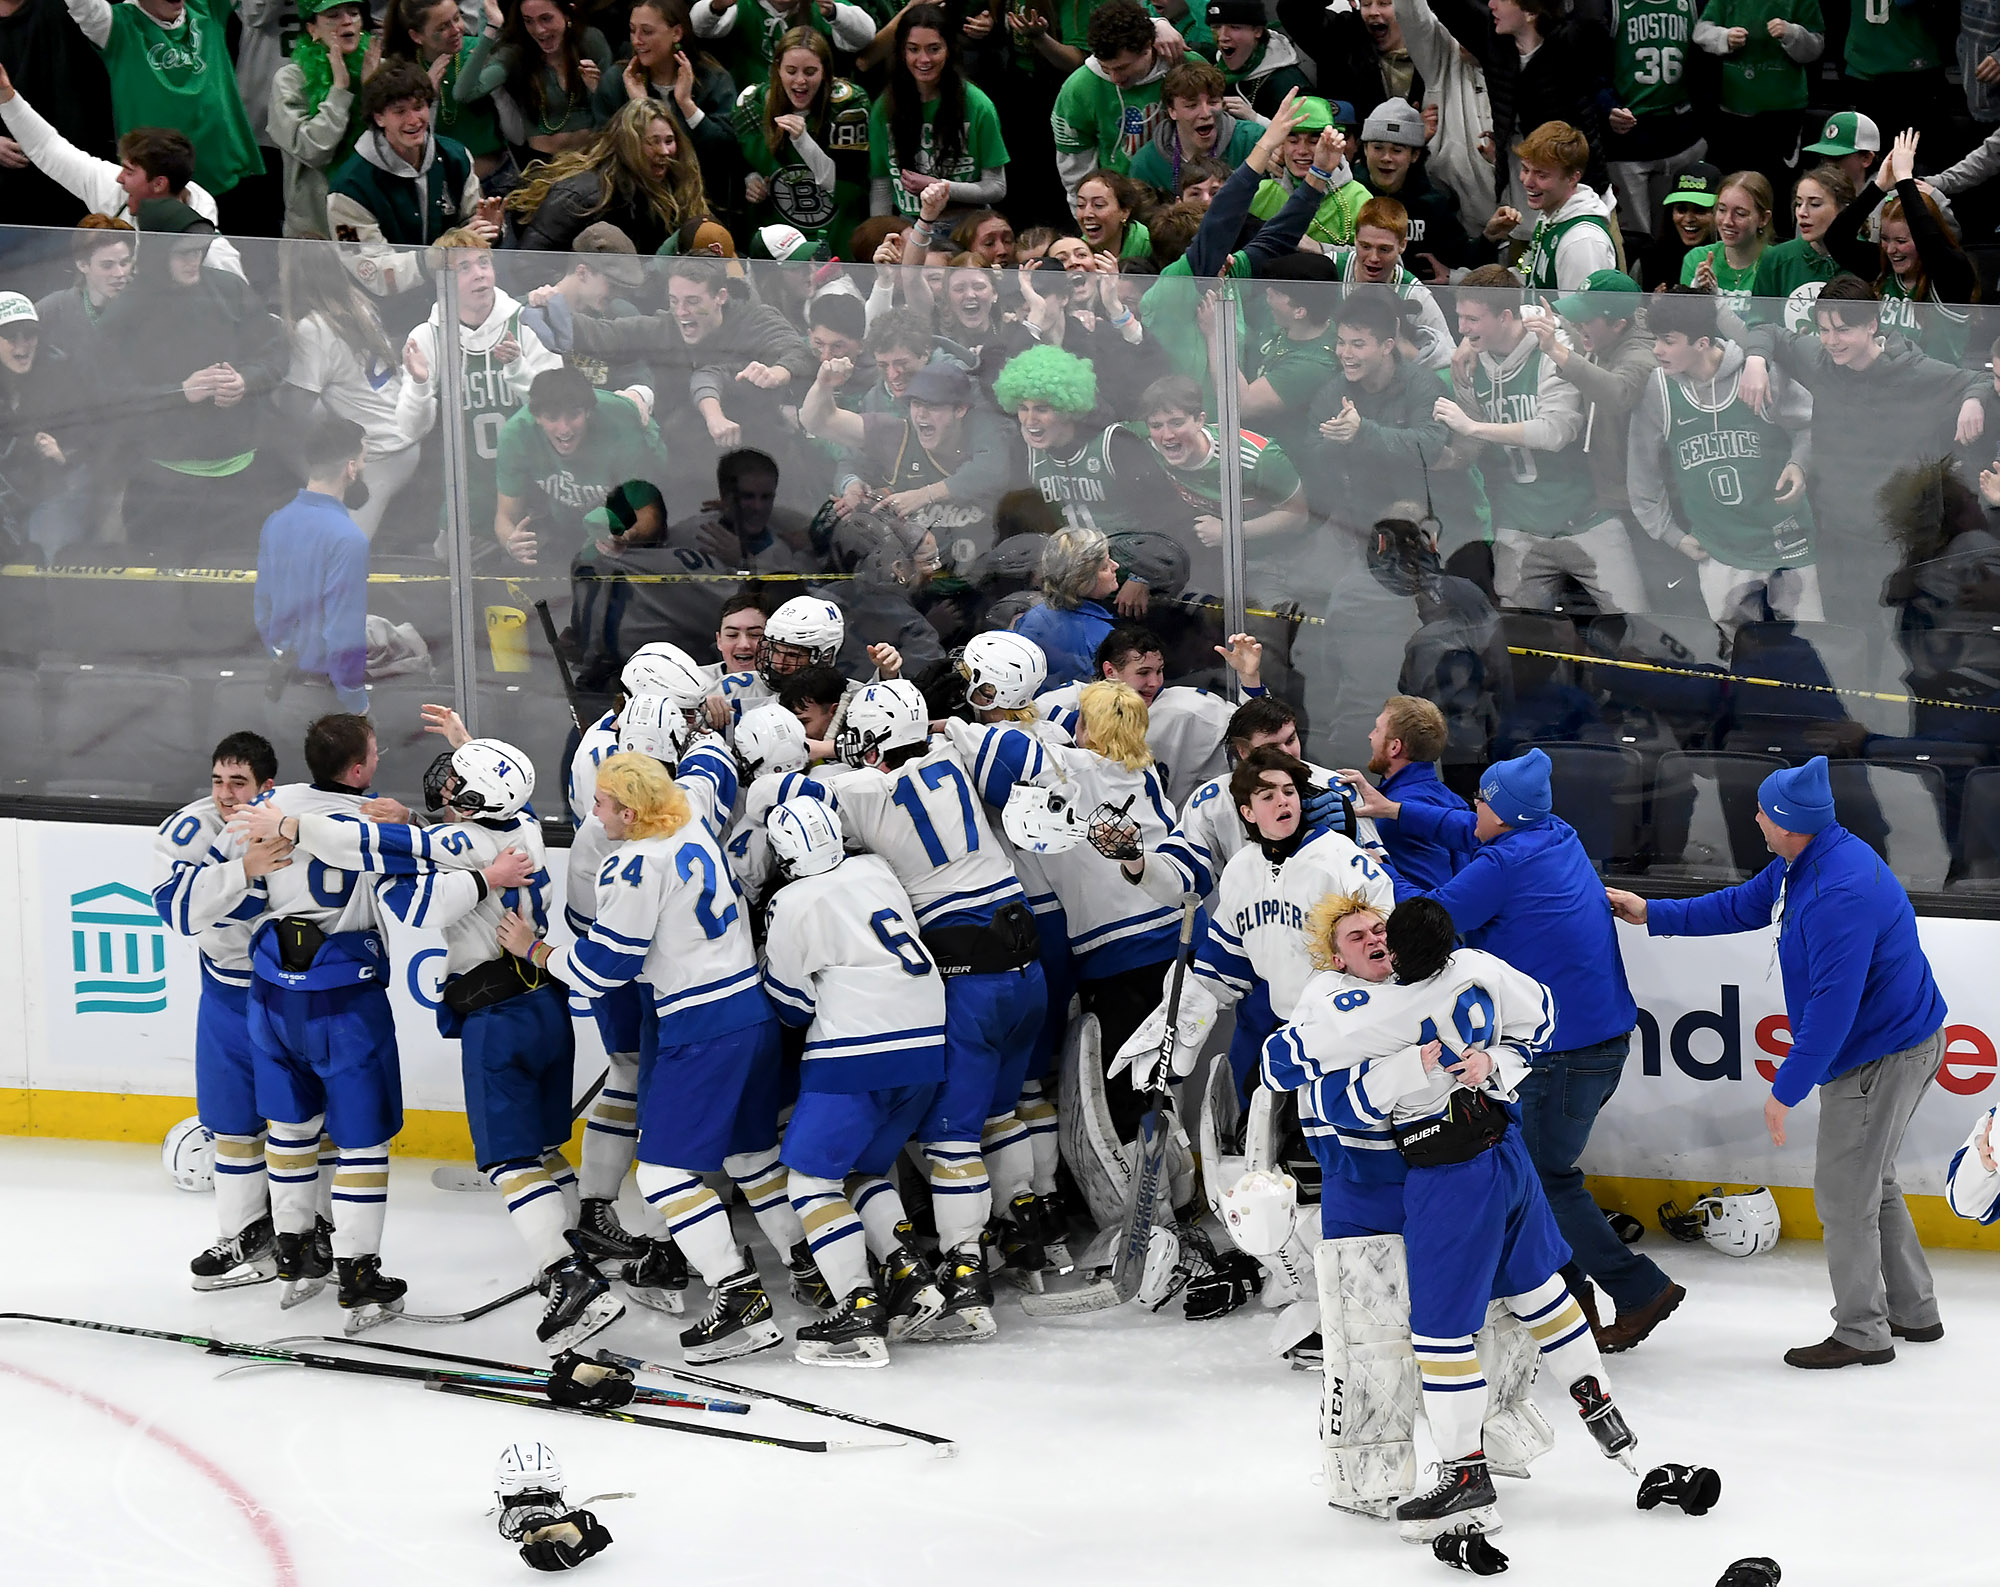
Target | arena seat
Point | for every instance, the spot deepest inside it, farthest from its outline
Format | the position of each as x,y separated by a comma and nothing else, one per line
115,734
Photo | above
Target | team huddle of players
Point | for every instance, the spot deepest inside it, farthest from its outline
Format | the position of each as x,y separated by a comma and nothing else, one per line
824,924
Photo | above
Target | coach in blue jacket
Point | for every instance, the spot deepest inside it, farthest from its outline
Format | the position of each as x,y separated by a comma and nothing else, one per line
1867,1023
1403,750
1529,895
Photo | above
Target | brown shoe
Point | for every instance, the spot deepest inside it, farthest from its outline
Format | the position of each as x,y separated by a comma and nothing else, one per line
1628,1328
1830,1353
1917,1336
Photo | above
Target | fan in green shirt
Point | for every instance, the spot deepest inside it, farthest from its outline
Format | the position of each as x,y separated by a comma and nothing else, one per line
561,458
1334,223
1794,272
804,136
1194,126
1728,266
169,66
908,151
1885,38
1759,73
1104,208
1274,499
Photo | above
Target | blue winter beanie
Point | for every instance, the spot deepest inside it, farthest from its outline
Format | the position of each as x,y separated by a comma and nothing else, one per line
1799,798
1517,790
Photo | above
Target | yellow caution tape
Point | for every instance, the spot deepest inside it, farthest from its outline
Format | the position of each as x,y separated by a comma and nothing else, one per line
23,570
1739,678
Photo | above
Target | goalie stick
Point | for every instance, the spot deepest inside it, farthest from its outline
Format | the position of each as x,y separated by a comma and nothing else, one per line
1128,1253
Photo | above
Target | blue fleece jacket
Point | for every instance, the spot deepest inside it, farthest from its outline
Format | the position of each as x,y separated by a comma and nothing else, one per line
1532,898
1068,638
1427,861
1857,984
312,592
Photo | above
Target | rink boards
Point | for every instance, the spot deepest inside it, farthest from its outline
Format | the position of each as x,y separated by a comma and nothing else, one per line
97,1019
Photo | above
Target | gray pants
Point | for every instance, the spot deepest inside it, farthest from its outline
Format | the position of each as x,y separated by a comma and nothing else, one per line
1872,1255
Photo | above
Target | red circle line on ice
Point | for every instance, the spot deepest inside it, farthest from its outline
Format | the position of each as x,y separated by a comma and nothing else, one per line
283,1572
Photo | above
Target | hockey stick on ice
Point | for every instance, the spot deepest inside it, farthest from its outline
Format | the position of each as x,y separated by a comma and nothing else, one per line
441,1319
1128,1254
810,1446
456,1176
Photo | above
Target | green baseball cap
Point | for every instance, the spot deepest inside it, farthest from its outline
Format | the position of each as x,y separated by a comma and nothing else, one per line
1599,298
1697,187
1317,114
1848,132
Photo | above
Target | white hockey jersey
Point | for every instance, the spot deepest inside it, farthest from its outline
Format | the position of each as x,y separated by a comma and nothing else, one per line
842,957
749,855
341,903
706,776
667,913
1210,833
1186,729
597,744
1256,931
203,893
1972,1192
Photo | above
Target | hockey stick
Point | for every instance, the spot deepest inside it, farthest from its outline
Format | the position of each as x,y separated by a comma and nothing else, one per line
810,1446
453,1176
562,662
440,1319
1128,1255
944,1446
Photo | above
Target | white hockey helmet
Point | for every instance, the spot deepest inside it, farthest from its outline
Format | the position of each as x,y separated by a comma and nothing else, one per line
805,837
806,622
482,777
528,1484
661,668
188,1155
654,725
1042,820
1258,1211
882,717
769,739
1013,667
1744,1223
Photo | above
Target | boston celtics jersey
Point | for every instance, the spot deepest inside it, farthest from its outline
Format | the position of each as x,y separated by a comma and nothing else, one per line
1937,328
1082,486
1723,462
1650,47
1884,38
1536,492
1538,265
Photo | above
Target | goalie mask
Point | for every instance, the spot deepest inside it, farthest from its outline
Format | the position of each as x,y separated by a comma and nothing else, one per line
661,668
807,624
528,1486
805,837
483,777
882,717
654,725
1013,668
1744,1223
1258,1209
1042,820
769,739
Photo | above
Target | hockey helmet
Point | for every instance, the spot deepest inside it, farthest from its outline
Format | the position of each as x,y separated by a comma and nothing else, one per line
882,717
528,1484
656,726
1042,820
806,622
1739,1223
1014,668
482,777
1258,1211
188,1155
769,739
805,837
661,668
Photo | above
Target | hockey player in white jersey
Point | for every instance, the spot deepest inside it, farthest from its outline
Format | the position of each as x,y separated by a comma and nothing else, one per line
323,1034
217,902
668,914
771,759
916,807
807,631
843,958
1972,1181
658,668
1435,1055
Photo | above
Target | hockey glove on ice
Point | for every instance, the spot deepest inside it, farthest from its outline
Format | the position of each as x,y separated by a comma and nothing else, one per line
567,1543
591,1385
1757,1572
1469,1551
1694,1488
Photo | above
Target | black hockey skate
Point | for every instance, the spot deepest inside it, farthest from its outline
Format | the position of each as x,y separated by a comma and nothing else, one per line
247,1257
580,1302
367,1294
854,1334
302,1265
1606,1425
808,1287
602,1238
738,1322
968,1300
1462,1501
910,1295
657,1279
1055,1232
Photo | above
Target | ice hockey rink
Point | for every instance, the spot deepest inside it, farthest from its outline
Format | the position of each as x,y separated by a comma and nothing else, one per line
1120,1448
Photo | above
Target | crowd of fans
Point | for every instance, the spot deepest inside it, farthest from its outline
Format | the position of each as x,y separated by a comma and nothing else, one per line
1657,321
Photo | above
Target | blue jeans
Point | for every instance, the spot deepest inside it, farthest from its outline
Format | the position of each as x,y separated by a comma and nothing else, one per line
1560,1100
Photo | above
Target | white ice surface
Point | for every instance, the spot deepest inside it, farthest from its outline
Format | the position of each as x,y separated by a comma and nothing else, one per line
1122,1448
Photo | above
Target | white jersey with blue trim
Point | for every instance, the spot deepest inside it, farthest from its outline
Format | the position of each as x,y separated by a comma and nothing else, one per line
743,691
598,743
434,878
1186,729
841,951
1971,1190
927,821
668,914
1210,833
334,898
749,855
706,776
1256,931
203,892
1102,905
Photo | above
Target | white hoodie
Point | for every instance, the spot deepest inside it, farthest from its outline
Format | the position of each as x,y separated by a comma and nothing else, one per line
416,407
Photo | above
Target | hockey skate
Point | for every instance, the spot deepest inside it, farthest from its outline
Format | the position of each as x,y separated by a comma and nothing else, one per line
580,1302
657,1278
910,1295
1606,1425
808,1287
602,1238
968,1300
367,1294
1462,1501
1055,1232
247,1257
738,1321
852,1335
302,1265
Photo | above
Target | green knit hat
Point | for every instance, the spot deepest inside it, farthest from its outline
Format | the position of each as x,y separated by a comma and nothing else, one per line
1064,381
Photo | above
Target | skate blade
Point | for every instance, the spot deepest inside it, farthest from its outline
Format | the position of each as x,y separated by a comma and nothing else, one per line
1030,1279
845,1353
926,1305
466,1181
1518,1473
298,1291
670,1301
1484,1519
971,1326
599,1315
243,1277
1056,1255
1374,1509
361,1318
744,1342
1303,1362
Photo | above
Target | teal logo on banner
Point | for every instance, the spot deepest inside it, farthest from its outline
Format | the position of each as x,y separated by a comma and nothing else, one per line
118,951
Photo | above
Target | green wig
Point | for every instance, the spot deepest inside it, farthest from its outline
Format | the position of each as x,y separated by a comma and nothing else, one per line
1064,381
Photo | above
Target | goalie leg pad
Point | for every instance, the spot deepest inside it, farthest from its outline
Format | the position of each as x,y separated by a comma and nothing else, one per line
1089,1139
1515,1432
1370,1388
1289,1270
1219,1114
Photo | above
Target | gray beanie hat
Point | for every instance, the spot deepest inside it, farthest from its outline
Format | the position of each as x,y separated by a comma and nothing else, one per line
1394,121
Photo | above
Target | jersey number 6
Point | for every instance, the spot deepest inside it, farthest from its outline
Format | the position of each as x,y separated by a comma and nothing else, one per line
908,953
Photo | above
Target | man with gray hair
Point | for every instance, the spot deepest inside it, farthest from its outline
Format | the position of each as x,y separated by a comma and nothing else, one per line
1079,575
